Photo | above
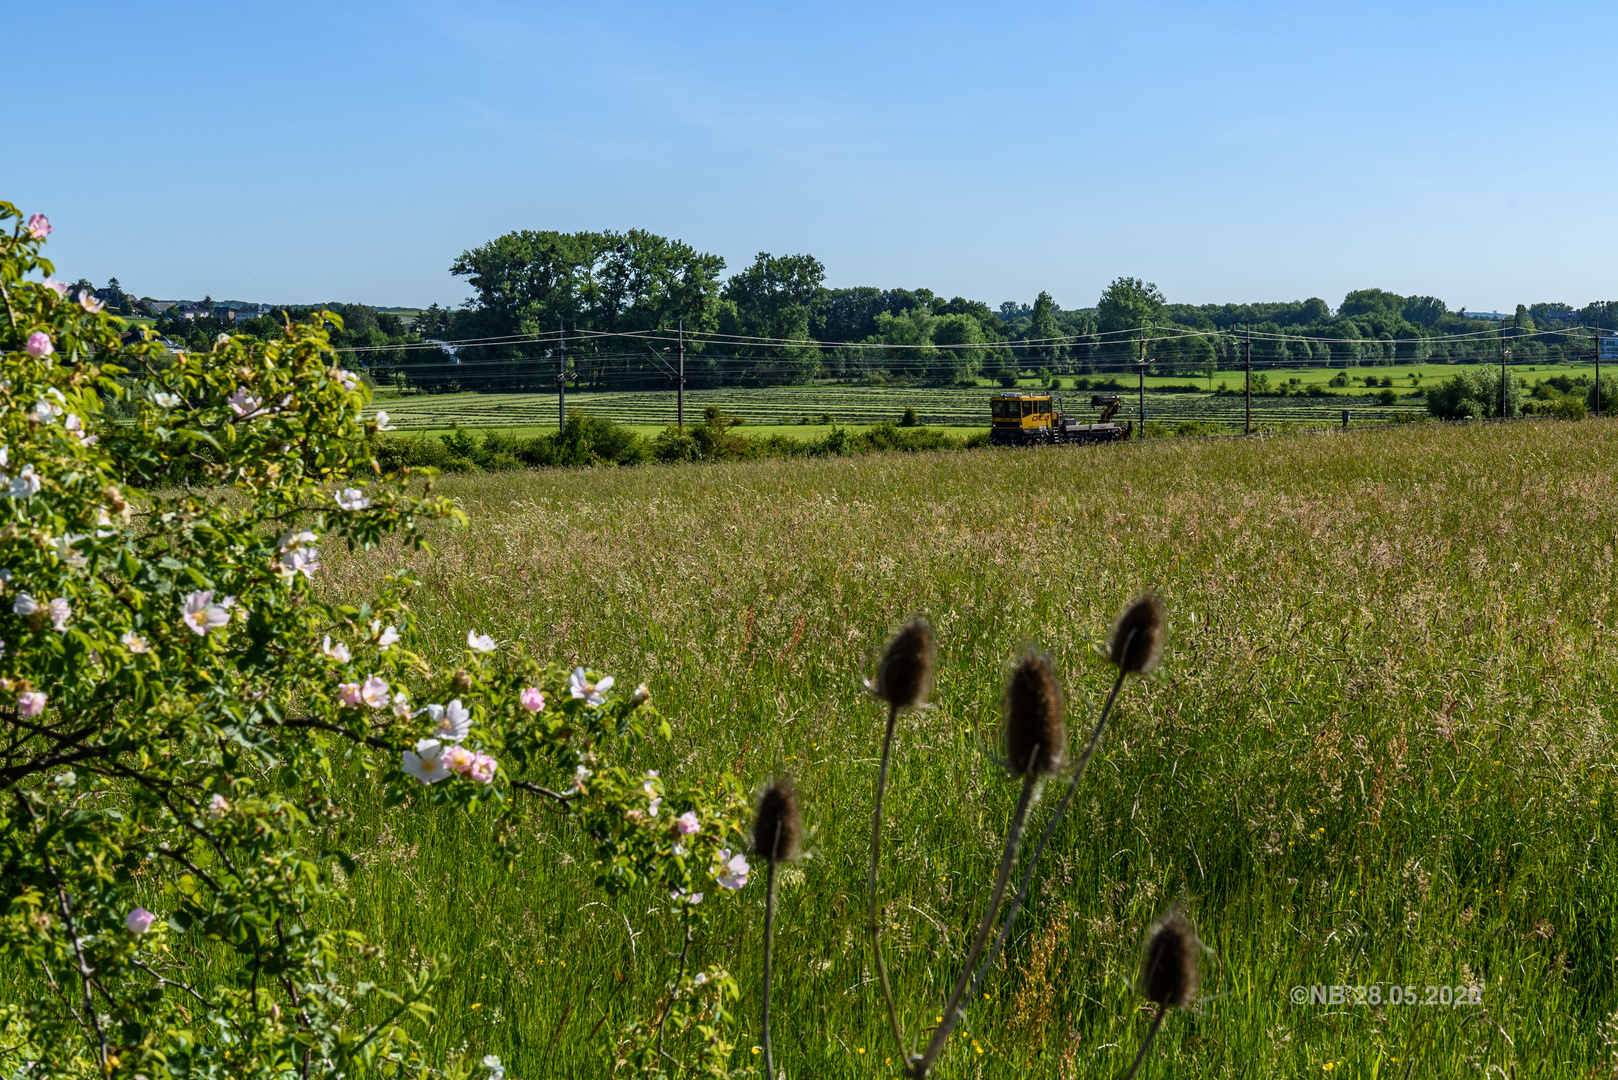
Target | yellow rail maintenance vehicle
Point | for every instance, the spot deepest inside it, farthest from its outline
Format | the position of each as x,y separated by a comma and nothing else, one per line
1020,419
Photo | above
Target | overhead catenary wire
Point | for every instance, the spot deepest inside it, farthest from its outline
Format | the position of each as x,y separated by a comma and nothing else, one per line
1157,333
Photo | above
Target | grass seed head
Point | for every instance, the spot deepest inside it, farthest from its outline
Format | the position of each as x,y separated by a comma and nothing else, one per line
907,668
1168,970
1137,636
778,827
1036,738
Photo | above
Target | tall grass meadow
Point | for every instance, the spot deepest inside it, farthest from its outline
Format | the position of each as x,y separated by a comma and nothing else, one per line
1377,752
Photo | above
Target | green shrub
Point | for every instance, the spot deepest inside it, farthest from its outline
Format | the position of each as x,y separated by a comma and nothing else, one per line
396,453
671,444
889,437
1388,397
1609,396
1474,393
1193,428
462,444
909,418
1566,407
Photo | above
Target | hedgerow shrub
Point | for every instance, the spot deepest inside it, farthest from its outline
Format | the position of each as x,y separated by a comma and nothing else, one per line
175,697
1609,396
1474,393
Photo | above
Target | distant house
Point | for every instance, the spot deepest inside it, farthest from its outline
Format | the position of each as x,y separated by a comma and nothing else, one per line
160,306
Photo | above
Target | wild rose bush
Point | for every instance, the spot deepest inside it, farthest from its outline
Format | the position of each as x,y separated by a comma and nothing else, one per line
175,696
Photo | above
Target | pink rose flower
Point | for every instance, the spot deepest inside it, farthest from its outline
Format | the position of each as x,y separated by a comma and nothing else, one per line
458,759
374,692
39,226
58,287
687,823
348,695
139,921
482,770
533,700
30,702
734,871
89,303
39,345
243,403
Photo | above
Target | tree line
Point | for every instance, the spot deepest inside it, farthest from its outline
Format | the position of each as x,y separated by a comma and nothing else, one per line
608,309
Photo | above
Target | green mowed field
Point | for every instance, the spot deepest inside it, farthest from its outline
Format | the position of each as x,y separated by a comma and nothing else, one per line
793,431
825,404
1379,749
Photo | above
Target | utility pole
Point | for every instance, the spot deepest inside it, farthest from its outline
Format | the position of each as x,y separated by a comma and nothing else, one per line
561,377
679,393
1504,352
1141,365
1249,352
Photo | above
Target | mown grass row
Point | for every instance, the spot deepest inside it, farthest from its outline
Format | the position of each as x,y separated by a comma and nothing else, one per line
1380,747
1315,398
852,405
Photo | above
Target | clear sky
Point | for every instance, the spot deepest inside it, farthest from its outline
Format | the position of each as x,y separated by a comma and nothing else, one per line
301,152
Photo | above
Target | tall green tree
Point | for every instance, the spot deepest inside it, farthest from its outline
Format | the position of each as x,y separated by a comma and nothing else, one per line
1424,310
1129,304
1041,329
532,283
771,300
931,348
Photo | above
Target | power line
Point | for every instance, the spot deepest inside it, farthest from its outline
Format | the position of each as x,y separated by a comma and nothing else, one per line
1159,333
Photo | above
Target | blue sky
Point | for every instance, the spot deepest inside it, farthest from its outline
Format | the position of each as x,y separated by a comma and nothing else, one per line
298,152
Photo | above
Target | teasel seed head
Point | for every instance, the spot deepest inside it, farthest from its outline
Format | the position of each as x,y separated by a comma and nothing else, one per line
906,673
1168,971
1036,739
778,826
1137,636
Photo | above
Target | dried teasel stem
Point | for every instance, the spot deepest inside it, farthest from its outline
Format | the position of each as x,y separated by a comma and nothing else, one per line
954,1010
1035,741
873,926
1045,837
1168,974
902,681
1151,1033
1135,646
769,954
777,832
